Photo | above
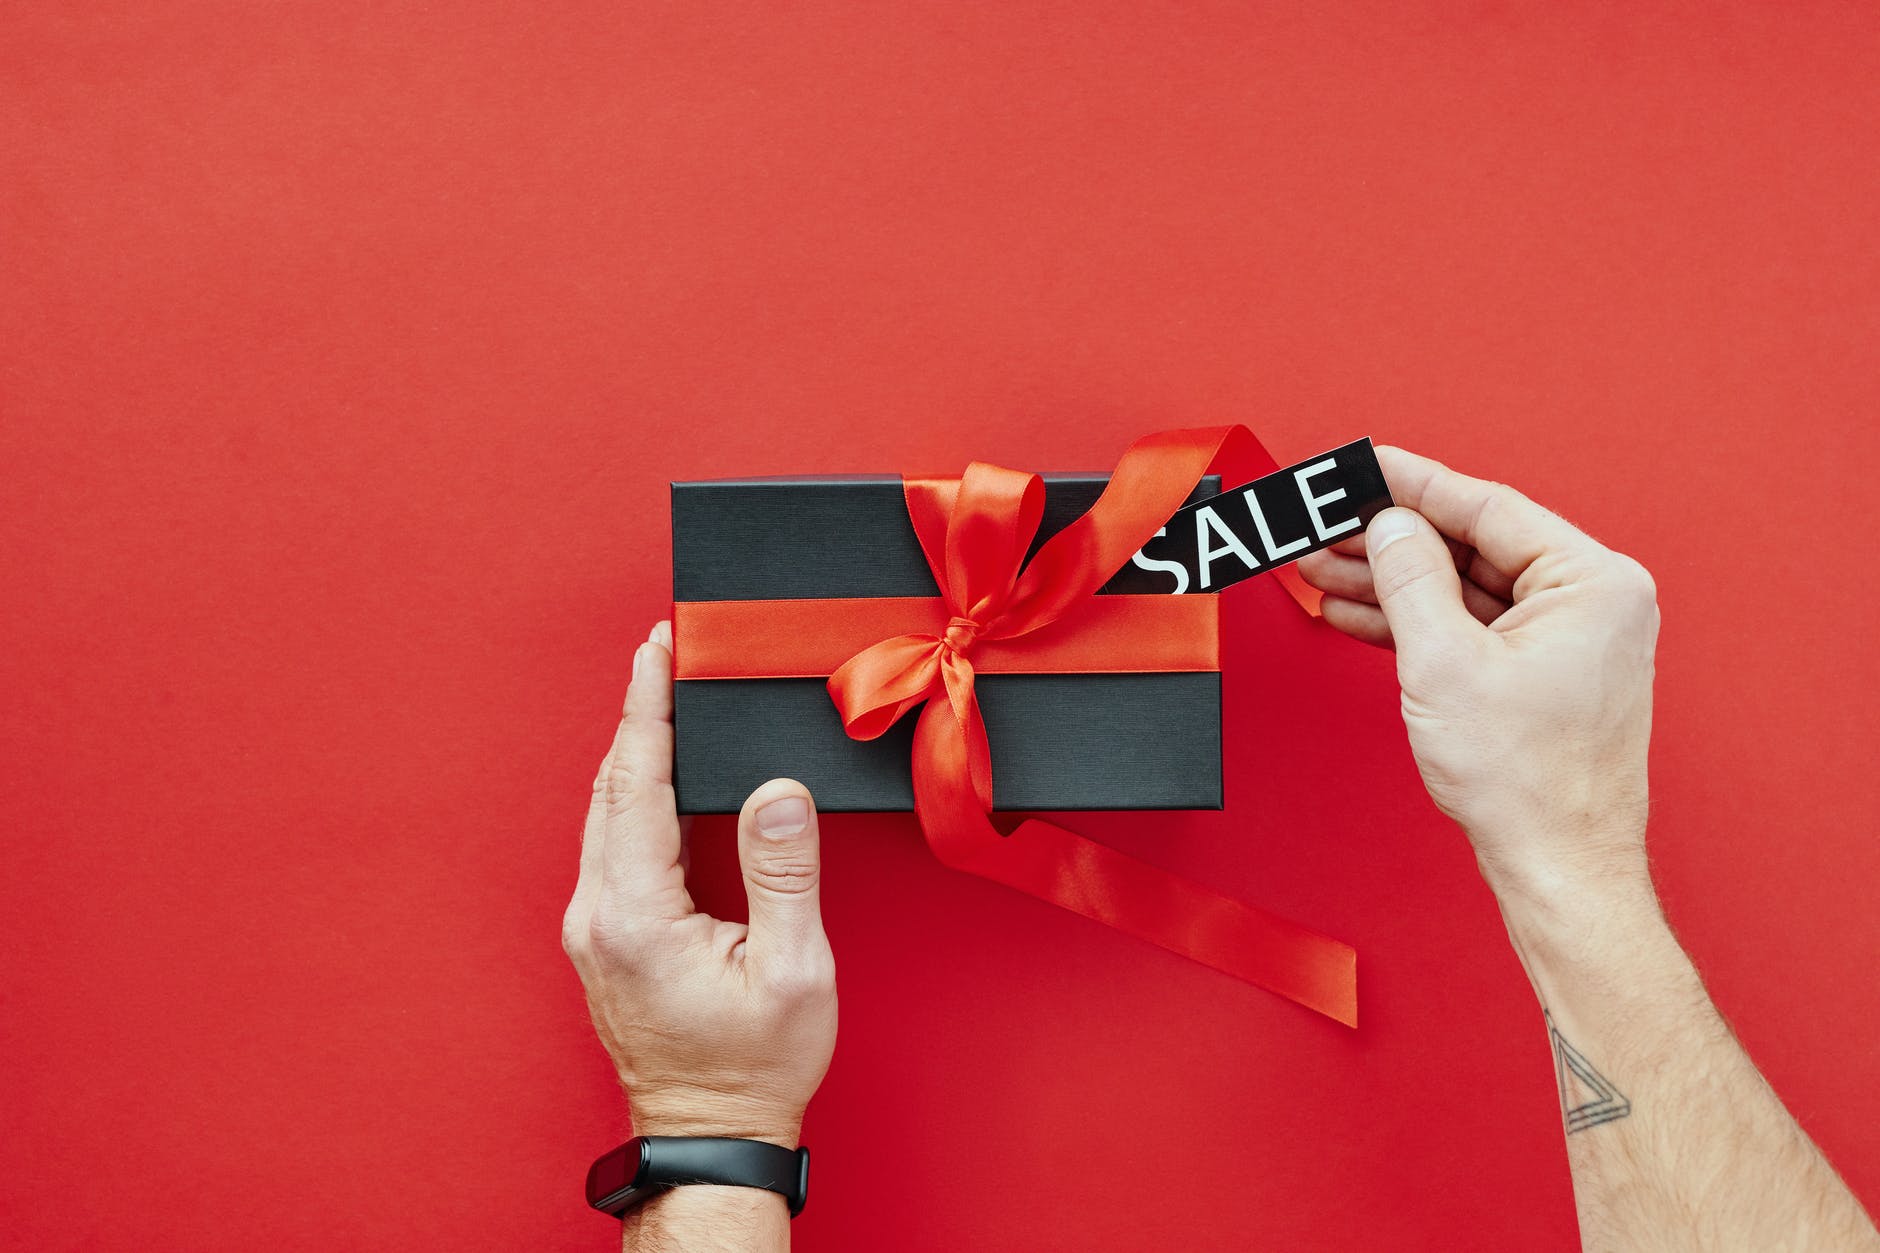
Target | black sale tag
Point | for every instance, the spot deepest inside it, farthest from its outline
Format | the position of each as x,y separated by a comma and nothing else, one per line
1264,524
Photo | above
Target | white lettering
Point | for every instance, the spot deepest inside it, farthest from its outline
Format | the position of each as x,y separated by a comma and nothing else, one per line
1172,567
1266,535
1205,521
1313,502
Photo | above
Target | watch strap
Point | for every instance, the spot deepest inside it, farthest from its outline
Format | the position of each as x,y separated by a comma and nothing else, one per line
656,1163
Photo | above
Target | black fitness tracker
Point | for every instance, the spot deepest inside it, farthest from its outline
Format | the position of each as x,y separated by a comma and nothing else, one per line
645,1166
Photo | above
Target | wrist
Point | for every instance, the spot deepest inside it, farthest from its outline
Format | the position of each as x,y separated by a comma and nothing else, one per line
1573,921
1605,938
1561,872
697,1112
707,1217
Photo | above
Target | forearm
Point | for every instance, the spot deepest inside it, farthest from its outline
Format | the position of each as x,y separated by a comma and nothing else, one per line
704,1219
1526,651
1674,1139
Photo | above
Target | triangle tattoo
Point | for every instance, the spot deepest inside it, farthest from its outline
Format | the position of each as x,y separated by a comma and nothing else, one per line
1587,1098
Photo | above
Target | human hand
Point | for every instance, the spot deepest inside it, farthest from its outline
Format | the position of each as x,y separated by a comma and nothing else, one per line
715,1028
1524,650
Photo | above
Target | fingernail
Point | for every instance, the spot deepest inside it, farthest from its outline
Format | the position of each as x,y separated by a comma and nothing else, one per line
652,636
783,817
639,660
1389,527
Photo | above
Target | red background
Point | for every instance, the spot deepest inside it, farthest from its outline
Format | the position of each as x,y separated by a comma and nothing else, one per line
348,349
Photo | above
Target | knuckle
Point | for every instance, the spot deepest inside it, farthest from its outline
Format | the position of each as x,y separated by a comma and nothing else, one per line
574,933
1403,574
1508,496
621,787
618,934
1494,500
785,874
1635,580
1633,593
628,787
1505,507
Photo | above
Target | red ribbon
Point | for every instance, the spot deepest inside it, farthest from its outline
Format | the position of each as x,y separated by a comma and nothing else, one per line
780,639
975,532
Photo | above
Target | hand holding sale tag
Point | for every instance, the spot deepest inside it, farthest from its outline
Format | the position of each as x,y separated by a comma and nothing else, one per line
1269,522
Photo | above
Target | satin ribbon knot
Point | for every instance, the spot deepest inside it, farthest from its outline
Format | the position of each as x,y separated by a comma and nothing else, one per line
961,632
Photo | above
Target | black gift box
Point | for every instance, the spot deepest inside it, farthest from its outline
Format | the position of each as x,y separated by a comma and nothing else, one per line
1059,741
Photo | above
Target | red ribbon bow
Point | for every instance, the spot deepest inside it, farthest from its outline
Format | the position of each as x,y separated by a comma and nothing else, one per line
975,532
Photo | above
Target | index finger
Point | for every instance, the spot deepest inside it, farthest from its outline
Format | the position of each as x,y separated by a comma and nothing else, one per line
1505,527
640,821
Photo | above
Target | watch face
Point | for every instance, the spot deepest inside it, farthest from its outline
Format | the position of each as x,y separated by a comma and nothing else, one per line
614,1172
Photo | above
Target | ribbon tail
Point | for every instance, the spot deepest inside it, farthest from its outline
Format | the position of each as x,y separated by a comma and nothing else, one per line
1053,864
1179,914
964,699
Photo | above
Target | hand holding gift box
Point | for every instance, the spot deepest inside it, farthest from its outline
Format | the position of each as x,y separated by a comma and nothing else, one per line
929,583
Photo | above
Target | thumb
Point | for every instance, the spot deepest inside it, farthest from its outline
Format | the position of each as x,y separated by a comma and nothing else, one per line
1417,584
782,860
